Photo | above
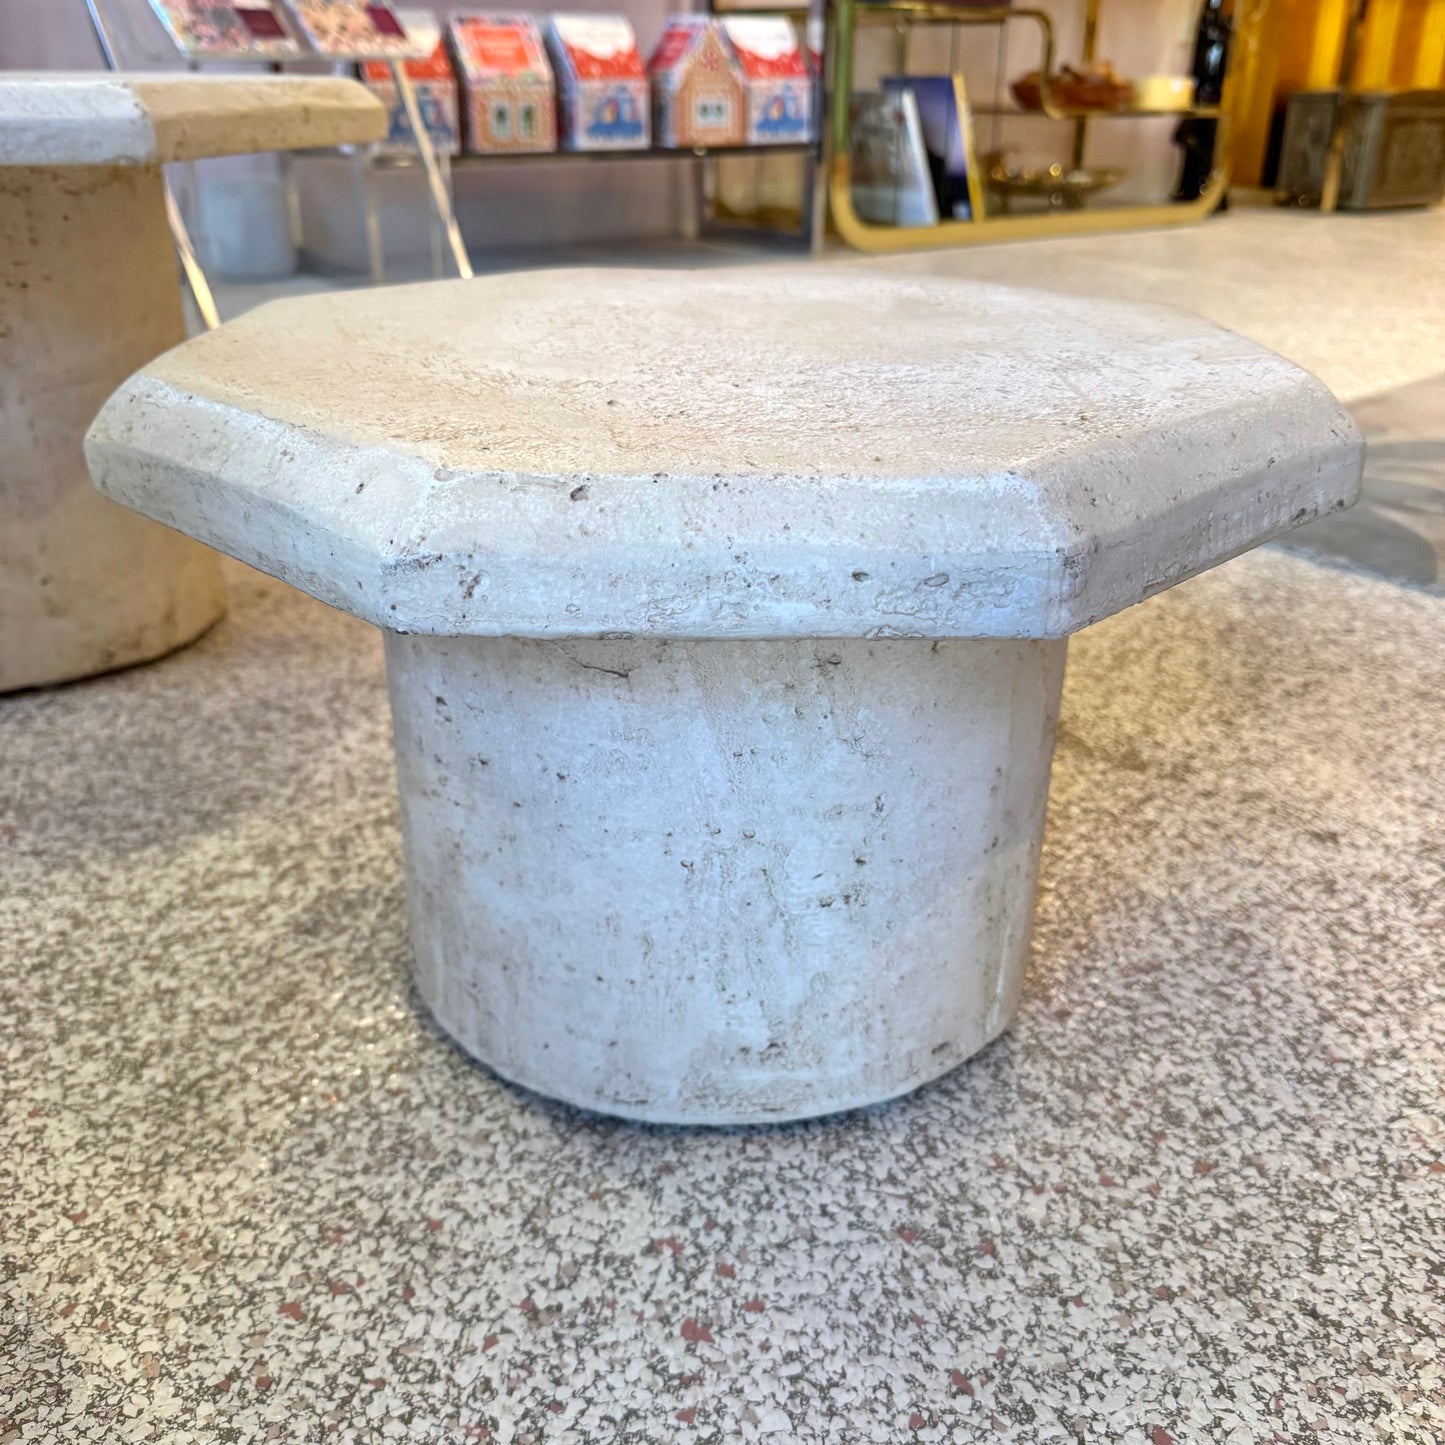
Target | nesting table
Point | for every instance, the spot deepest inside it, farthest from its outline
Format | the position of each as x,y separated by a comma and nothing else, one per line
725,619
88,292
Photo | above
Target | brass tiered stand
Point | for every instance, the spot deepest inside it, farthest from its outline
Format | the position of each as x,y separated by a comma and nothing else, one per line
849,16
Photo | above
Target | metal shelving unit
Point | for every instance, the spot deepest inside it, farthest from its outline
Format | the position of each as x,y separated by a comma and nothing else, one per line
650,153
813,217
368,162
711,220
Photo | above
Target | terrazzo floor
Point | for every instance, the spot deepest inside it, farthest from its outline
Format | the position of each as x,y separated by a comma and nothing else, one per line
1196,1194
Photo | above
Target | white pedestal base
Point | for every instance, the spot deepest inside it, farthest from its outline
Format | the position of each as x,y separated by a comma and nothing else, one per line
720,882
88,294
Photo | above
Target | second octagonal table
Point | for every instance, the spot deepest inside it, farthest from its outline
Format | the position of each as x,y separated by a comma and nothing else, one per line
89,292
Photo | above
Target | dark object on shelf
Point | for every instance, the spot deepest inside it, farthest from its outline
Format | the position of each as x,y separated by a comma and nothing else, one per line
1394,148
1196,138
1211,54
1100,87
1273,149
1063,187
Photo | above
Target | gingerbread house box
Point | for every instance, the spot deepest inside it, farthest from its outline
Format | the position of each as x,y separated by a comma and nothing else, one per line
435,86
698,94
779,82
601,83
511,97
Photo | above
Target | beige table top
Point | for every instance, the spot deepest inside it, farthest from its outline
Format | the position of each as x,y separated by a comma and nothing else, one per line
58,118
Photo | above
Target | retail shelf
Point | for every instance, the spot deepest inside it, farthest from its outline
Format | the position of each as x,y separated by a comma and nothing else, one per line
651,153
1197,112
387,160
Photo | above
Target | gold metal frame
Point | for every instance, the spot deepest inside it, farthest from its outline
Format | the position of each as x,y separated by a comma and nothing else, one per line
1335,156
985,228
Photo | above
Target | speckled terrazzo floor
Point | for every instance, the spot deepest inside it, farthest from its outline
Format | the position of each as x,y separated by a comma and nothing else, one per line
1197,1194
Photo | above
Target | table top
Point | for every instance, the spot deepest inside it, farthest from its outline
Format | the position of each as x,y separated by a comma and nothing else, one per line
811,451
60,118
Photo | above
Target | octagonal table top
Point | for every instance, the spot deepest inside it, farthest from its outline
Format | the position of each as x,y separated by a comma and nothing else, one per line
60,118
741,452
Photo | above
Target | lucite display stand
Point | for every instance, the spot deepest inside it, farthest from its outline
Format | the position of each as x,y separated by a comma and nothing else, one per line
287,38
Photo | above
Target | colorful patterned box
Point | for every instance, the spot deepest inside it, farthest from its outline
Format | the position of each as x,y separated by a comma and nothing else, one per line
603,87
511,97
699,95
435,85
780,84
349,29
211,28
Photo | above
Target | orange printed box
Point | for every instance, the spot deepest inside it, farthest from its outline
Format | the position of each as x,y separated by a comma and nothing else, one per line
435,86
601,83
779,80
511,97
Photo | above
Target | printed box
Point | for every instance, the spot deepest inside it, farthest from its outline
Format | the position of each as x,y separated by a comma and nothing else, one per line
779,82
699,94
601,83
349,29
435,85
511,97
249,28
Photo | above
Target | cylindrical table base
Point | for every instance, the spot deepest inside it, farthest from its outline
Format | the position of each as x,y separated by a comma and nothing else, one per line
721,882
88,294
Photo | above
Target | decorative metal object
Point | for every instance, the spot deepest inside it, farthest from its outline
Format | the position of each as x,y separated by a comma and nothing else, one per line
1393,152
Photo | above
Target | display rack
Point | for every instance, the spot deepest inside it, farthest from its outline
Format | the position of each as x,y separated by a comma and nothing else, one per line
368,162
812,228
438,168
850,16
194,272
438,184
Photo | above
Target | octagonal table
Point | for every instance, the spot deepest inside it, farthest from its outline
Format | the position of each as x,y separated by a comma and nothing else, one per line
725,619
88,292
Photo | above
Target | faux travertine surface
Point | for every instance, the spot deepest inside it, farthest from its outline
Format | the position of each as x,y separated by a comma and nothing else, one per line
781,452
1194,1195
87,293
722,882
53,118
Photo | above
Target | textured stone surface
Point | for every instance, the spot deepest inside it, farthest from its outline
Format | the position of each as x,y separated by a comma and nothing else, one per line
776,452
722,882
58,118
87,294
1195,1194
